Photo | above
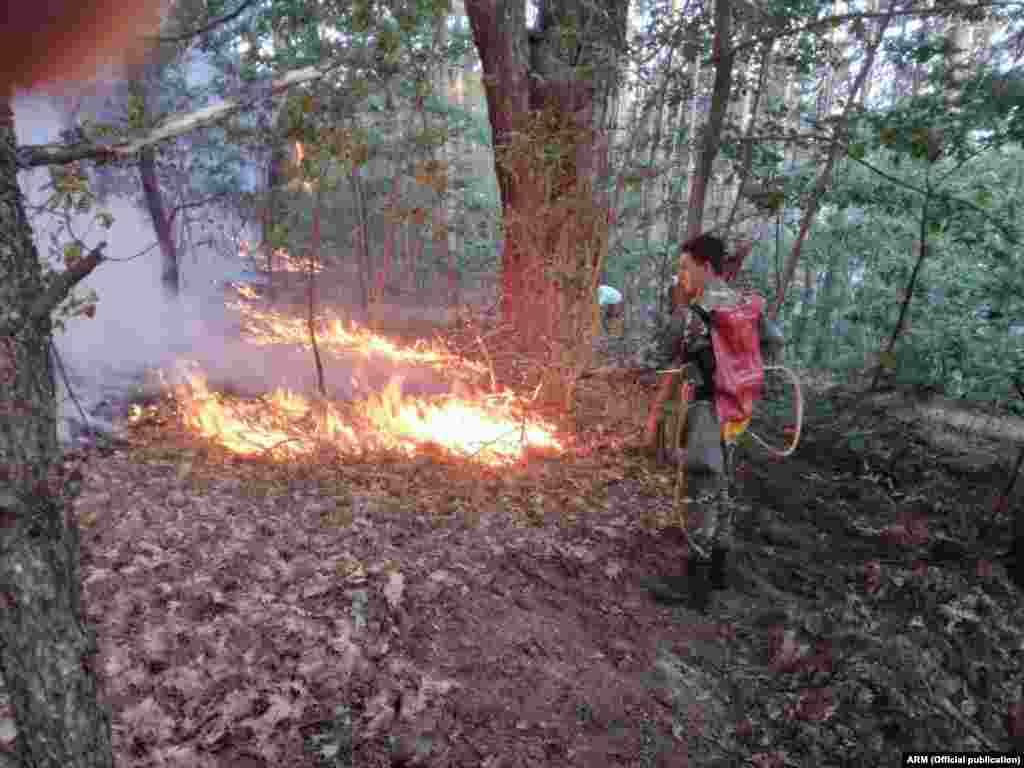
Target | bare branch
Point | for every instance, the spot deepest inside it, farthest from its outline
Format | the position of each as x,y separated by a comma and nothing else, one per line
171,127
209,26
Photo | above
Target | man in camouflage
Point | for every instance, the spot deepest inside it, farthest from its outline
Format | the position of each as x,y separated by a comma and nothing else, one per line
683,342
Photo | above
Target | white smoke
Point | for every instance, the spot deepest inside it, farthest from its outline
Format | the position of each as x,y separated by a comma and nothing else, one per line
134,327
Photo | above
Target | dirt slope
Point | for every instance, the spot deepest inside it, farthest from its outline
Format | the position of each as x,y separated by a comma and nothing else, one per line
257,617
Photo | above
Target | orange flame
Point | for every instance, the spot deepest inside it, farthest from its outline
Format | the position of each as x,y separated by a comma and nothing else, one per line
285,262
246,291
265,327
493,429
487,429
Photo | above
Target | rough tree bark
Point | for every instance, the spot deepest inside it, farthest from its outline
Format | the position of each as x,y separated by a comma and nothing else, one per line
555,242
46,650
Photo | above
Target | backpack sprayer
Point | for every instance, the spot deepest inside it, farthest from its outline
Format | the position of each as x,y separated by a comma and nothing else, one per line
734,335
729,356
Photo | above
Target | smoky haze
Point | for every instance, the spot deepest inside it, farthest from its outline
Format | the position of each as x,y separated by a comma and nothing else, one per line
135,328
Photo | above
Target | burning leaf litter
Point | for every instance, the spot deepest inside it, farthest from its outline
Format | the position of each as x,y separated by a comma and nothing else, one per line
264,327
492,428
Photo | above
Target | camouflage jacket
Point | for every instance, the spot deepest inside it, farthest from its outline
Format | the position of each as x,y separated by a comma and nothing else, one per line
667,348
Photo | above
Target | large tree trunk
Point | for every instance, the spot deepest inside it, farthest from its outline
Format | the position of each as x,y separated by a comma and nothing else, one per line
555,217
169,273
46,651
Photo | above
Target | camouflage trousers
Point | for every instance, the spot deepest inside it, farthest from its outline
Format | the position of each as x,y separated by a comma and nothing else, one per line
713,513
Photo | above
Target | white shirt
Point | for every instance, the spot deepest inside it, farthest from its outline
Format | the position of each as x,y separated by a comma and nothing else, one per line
607,295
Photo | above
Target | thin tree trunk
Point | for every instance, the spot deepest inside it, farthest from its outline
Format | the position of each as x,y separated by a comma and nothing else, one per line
806,301
901,321
825,177
748,145
712,134
314,263
272,209
363,245
649,185
47,653
684,149
826,306
391,233
169,272
444,258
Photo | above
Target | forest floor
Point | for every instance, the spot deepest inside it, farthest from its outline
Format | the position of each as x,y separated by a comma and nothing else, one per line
429,613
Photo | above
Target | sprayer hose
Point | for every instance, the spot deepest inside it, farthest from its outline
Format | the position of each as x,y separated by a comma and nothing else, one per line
799,415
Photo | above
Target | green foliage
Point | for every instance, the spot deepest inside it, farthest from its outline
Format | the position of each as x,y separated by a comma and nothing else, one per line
961,335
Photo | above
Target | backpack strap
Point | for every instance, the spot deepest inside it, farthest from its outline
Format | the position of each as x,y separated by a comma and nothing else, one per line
703,314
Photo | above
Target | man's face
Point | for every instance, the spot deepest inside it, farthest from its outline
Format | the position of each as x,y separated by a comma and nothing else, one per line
692,277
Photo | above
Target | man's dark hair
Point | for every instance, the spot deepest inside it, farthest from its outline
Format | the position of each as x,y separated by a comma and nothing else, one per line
706,249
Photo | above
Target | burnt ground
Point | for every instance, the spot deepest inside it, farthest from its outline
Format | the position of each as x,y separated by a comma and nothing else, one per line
431,614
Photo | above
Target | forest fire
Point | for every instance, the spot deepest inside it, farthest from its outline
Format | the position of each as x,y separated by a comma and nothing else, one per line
264,326
285,262
490,428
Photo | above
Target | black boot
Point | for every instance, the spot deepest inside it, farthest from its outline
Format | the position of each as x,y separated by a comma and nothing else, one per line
698,572
719,568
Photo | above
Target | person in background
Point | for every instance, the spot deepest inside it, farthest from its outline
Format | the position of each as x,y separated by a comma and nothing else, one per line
610,302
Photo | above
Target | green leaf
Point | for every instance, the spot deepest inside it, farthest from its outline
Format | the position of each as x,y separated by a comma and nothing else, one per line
857,151
72,253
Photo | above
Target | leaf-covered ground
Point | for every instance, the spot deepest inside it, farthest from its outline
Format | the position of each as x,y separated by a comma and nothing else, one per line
431,613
